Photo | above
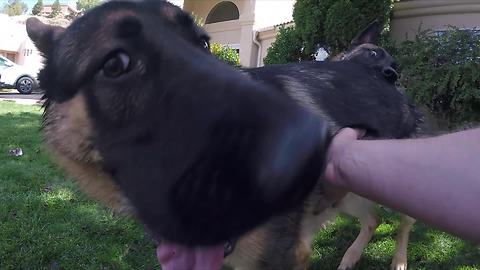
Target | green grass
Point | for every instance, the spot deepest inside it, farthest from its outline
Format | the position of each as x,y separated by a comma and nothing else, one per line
46,223
428,248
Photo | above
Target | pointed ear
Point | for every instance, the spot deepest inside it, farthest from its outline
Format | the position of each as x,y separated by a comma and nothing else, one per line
371,34
42,34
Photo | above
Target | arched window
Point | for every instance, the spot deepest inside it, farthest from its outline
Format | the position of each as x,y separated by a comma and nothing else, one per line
223,11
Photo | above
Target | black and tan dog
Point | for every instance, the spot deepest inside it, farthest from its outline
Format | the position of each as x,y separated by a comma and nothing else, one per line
150,124
284,232
364,49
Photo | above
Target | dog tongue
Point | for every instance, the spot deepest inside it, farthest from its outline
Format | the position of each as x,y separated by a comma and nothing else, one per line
176,257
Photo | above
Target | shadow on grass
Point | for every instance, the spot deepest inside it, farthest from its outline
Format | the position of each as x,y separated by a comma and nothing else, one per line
428,248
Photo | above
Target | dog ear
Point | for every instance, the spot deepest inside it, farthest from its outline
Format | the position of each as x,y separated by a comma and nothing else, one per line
371,34
42,35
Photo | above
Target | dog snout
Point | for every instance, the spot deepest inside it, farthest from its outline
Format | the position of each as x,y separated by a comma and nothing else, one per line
390,73
291,160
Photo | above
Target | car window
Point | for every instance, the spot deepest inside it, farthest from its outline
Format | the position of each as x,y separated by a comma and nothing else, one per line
4,63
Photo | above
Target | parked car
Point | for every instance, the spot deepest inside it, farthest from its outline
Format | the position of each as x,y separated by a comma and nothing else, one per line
16,76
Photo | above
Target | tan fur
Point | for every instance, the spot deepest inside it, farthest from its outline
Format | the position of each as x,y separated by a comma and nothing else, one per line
248,250
302,254
68,136
364,210
399,261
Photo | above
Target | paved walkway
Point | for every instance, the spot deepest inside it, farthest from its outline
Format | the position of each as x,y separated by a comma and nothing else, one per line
30,99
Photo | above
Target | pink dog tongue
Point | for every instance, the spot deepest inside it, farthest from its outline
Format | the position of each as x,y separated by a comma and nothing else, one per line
176,257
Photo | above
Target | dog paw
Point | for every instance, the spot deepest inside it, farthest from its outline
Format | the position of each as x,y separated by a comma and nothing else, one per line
398,264
350,259
346,265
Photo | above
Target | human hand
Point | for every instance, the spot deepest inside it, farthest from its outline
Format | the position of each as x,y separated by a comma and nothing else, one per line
338,153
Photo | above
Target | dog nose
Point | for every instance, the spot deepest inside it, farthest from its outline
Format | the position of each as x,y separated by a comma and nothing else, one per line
289,158
390,73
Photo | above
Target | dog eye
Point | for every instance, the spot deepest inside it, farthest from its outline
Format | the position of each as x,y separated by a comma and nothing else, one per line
116,65
373,53
205,44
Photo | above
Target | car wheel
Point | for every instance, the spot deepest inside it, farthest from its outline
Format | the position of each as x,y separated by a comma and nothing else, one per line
25,85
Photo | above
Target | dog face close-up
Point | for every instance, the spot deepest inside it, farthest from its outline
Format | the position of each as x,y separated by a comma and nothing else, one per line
148,122
364,49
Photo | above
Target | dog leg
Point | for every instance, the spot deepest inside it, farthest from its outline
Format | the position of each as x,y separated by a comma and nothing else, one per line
399,261
364,210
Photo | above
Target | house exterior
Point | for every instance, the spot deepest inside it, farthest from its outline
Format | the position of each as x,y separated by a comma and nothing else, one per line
251,26
65,10
411,15
15,44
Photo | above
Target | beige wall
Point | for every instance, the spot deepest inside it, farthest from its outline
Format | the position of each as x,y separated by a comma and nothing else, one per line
408,16
235,32
254,14
201,8
226,33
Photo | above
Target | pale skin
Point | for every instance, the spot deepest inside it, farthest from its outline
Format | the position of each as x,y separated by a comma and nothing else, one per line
435,180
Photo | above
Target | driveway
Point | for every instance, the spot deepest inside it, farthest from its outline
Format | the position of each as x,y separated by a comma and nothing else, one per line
34,98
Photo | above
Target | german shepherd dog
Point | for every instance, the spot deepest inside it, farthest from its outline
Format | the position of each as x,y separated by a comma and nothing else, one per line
149,123
364,49
284,233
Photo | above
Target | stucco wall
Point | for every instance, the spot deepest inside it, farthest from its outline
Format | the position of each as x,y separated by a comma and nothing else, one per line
409,16
224,32
203,7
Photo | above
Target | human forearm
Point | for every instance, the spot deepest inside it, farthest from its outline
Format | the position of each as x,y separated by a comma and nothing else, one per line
436,180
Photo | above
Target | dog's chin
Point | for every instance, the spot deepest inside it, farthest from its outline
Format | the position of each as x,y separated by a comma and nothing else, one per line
174,256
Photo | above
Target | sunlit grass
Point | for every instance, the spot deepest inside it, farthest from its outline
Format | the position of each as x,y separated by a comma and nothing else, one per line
45,223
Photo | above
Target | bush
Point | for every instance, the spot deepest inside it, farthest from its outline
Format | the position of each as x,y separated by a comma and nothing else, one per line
225,53
441,71
338,25
333,23
309,17
330,24
286,48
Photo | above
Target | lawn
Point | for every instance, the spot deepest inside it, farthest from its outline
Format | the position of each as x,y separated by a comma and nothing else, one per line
45,223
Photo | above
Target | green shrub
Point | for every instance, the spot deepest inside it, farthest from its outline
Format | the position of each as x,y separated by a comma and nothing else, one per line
309,17
442,72
286,48
330,24
338,25
225,53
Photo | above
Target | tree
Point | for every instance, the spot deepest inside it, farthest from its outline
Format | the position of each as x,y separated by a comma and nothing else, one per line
309,17
56,9
84,5
286,48
37,8
332,24
15,8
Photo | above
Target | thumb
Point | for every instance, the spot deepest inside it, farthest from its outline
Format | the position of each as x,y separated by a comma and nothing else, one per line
350,134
